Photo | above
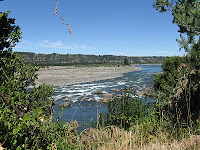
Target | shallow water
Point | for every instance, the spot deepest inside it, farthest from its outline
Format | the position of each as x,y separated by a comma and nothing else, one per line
83,111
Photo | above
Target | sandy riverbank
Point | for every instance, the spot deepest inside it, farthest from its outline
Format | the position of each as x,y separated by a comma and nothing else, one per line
60,76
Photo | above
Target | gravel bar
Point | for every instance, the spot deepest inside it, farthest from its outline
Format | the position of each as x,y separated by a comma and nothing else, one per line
61,76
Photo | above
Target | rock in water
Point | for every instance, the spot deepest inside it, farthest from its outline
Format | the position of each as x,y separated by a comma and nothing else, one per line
93,100
85,98
97,92
65,104
115,90
107,97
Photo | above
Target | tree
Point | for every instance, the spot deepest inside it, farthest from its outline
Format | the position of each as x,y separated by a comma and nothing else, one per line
165,82
10,33
126,61
186,94
186,15
128,109
25,112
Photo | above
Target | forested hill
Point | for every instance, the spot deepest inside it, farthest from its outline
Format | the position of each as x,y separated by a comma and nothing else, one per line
62,59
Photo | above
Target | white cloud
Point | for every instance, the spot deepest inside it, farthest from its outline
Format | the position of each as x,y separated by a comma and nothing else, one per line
164,52
24,45
118,53
75,45
60,45
46,43
46,46
169,53
26,42
83,47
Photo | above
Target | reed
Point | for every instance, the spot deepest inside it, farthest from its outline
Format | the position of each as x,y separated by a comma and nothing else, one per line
113,137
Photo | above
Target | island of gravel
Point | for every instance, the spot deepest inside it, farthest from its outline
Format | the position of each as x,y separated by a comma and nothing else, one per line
62,76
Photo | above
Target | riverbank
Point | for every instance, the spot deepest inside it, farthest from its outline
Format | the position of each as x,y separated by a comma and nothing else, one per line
61,76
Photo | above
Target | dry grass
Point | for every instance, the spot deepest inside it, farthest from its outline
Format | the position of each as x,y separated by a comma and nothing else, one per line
114,138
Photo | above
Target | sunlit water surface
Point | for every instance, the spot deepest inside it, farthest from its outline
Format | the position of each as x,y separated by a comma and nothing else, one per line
83,111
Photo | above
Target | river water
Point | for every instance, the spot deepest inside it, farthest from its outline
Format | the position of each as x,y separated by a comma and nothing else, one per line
83,111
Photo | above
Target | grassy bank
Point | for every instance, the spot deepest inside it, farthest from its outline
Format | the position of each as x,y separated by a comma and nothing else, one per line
124,129
113,137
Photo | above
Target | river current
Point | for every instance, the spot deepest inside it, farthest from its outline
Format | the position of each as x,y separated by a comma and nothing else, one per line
83,111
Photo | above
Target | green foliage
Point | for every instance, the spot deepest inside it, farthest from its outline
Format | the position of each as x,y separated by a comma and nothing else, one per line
184,100
185,14
26,111
165,82
10,33
31,132
127,109
85,60
126,61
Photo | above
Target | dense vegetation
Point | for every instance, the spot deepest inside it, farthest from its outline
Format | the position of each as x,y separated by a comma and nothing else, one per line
26,112
74,59
126,61
179,86
177,89
128,109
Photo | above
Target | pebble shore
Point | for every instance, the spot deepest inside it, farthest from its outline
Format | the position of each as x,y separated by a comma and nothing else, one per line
61,76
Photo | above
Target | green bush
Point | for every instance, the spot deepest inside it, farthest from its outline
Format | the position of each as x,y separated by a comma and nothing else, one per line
127,109
126,61
26,111
165,82
181,85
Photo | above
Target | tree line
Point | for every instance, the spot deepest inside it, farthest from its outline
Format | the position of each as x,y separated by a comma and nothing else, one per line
26,113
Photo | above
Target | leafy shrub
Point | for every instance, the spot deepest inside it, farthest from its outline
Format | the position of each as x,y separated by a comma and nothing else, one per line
26,111
26,114
126,61
177,89
184,92
127,109
165,82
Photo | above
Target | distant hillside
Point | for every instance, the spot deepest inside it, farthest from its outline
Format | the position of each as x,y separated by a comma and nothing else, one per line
64,59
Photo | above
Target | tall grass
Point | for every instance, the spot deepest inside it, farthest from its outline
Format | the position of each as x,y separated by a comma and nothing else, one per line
138,137
156,132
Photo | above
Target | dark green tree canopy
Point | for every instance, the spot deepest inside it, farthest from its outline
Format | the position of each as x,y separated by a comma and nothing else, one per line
9,32
126,61
21,110
186,14
184,77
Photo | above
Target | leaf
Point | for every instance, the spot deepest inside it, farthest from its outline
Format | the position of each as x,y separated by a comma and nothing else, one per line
192,10
26,117
151,136
1,15
177,17
18,148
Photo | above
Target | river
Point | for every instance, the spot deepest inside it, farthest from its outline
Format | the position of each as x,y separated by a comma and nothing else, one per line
83,111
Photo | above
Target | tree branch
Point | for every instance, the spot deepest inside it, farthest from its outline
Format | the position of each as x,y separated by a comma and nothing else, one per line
12,107
5,74
169,8
186,26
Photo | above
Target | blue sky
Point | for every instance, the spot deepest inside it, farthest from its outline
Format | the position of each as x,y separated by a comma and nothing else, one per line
99,27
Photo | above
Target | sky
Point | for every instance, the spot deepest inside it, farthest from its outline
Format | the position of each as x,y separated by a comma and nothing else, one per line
99,27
